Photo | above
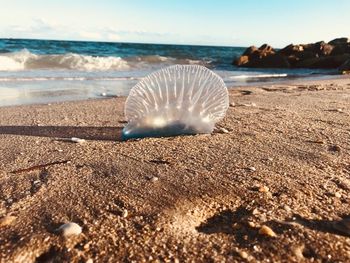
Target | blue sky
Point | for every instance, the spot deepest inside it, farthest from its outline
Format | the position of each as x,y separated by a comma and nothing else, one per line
215,22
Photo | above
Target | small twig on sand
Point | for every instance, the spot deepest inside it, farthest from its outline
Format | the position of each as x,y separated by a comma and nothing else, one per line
73,139
37,167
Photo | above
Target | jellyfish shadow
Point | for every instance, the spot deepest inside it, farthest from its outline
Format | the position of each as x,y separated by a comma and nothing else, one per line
83,132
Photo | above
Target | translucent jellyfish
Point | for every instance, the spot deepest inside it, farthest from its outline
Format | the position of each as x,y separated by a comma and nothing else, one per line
177,100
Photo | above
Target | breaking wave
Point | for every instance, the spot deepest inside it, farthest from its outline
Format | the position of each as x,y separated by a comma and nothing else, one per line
25,60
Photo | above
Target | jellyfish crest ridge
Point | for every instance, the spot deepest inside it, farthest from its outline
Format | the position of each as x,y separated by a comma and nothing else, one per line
180,99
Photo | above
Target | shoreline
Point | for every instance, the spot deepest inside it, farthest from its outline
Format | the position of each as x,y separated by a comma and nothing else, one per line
271,183
318,80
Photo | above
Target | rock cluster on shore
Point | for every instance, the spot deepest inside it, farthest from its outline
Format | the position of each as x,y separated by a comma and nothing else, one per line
332,55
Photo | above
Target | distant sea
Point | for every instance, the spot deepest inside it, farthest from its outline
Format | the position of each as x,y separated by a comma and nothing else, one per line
43,71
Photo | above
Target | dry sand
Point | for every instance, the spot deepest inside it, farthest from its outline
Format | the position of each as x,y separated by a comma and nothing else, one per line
282,161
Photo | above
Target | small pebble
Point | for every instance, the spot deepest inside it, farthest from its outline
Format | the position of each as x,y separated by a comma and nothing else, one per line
60,150
251,224
298,252
255,211
236,226
249,104
251,168
223,130
7,220
257,248
70,229
287,208
232,104
243,254
267,231
263,189
78,140
125,213
89,260
154,179
337,195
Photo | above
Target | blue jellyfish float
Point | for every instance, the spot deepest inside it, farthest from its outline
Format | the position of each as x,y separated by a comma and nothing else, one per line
177,100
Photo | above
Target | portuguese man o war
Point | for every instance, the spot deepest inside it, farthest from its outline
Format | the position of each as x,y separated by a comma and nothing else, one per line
177,100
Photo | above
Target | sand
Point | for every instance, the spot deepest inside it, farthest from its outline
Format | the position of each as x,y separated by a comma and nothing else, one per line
272,185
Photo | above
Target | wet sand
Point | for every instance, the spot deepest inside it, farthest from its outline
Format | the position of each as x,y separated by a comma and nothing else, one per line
273,182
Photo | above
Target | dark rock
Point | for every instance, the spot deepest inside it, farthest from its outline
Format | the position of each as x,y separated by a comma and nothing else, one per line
341,49
250,50
326,49
300,56
263,51
310,47
332,55
328,62
292,60
266,50
296,53
345,67
291,50
270,61
306,55
321,48
339,41
253,57
242,60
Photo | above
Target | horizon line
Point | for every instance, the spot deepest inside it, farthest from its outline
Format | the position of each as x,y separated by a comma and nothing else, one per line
121,42
160,43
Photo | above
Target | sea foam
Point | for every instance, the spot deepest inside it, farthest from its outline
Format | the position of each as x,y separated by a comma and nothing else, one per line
24,60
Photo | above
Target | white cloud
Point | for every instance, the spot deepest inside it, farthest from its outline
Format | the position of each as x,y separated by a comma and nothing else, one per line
42,25
47,29
90,35
113,37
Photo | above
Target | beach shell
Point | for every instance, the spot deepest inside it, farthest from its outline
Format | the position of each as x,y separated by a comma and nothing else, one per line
70,229
181,99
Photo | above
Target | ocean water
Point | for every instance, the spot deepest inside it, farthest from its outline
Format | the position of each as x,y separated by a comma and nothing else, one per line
43,71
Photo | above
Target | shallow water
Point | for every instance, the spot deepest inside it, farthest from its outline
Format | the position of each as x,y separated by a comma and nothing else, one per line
42,71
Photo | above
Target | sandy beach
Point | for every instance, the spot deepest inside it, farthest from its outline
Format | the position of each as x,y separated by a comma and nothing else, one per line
272,184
